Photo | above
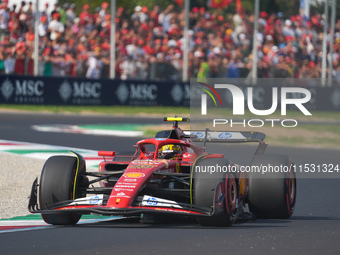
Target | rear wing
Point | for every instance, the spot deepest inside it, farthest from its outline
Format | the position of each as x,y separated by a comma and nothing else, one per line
228,137
224,137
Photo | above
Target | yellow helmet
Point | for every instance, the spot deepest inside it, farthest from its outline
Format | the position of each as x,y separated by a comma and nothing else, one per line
169,151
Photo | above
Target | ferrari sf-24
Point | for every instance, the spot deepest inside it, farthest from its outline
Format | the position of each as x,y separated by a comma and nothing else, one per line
169,175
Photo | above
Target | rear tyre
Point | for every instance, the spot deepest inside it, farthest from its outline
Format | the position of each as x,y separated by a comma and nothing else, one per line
205,185
60,180
272,194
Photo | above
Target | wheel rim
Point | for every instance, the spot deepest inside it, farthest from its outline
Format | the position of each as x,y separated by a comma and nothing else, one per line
291,190
220,194
232,195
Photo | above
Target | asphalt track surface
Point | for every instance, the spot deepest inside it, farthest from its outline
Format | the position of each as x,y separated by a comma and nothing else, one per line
313,229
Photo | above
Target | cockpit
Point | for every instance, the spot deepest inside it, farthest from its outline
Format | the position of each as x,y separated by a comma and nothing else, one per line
165,151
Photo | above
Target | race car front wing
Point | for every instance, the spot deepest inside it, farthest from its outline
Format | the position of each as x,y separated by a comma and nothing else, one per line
143,204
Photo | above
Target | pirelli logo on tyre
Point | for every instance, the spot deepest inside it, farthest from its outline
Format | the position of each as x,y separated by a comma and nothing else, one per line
134,175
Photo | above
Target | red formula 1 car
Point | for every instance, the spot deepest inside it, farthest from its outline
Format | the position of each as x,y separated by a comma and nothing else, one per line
169,174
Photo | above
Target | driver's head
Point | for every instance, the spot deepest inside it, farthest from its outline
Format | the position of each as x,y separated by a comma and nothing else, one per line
169,151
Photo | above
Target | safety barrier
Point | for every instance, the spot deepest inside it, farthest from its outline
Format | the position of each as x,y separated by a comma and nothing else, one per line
71,91
82,91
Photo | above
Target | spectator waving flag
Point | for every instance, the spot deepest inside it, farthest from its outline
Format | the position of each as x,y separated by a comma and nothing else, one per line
219,3
239,8
225,3
305,9
179,2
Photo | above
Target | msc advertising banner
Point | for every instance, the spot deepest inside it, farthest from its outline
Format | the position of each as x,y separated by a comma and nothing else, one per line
81,91
71,91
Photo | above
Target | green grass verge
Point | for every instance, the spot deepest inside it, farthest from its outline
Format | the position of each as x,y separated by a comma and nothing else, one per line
335,129
304,142
227,113
164,111
108,110
305,135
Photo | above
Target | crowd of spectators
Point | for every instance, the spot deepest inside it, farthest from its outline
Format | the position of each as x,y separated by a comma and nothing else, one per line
219,45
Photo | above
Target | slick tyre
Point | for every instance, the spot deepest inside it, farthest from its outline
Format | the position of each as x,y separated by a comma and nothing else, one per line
272,194
60,180
221,184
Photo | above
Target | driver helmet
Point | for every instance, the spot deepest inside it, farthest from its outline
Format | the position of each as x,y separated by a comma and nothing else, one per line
169,151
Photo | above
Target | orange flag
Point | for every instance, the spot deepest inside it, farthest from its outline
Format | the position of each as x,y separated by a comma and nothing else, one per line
220,3
239,8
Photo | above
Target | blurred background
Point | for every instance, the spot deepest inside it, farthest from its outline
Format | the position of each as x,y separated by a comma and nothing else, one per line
171,40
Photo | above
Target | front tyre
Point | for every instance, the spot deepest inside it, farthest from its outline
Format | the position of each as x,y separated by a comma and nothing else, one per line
60,180
272,194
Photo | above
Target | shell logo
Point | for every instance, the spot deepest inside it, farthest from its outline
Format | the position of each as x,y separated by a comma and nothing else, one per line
134,175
